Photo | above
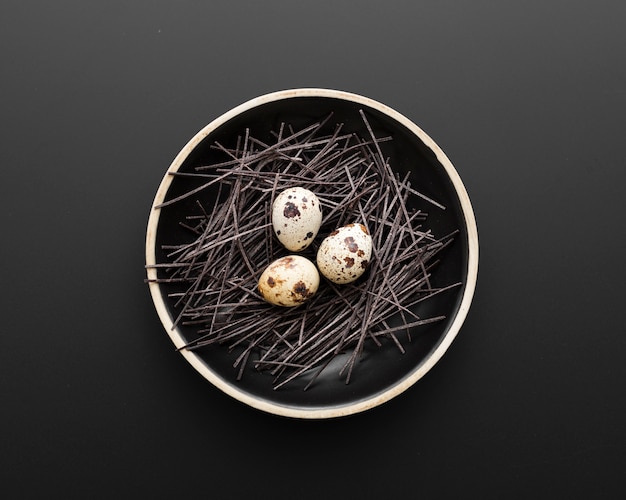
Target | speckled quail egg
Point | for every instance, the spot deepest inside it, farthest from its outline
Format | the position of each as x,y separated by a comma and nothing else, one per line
345,253
296,218
289,281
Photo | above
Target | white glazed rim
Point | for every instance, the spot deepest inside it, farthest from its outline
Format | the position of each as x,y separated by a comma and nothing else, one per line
361,405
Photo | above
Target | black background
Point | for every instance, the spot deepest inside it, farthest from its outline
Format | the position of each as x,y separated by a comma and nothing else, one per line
528,99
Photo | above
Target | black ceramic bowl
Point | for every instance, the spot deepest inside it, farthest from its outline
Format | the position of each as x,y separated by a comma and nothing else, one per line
382,373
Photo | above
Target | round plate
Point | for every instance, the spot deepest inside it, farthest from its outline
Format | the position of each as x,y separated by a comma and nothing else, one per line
381,373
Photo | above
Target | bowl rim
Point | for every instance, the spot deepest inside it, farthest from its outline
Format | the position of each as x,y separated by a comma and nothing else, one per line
354,407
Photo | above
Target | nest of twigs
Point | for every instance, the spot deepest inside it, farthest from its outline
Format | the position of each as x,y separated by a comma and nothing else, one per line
214,275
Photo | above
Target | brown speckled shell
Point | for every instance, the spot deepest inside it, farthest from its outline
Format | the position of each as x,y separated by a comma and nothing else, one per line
296,218
289,281
345,253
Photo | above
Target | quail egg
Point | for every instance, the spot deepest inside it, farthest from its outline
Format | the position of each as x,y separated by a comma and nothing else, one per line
289,281
345,253
296,218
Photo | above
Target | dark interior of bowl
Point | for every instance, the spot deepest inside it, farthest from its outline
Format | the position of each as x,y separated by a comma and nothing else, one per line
380,368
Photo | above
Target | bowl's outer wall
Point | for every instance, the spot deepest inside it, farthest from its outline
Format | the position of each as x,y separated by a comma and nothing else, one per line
381,373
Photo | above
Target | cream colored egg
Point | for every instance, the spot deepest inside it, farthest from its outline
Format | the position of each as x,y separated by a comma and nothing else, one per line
344,255
289,281
296,218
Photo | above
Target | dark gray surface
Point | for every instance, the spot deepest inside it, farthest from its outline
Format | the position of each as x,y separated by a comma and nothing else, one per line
528,99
